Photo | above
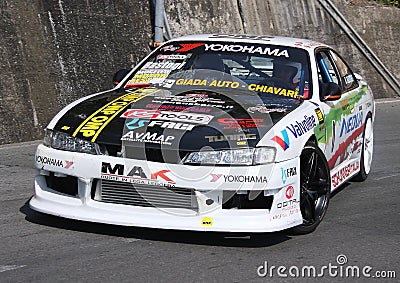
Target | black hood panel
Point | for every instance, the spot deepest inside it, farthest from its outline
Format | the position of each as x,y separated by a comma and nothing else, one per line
188,120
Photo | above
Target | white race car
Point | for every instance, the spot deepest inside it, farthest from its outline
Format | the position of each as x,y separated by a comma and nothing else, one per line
218,132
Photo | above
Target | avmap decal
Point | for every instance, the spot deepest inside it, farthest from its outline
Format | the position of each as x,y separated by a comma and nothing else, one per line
96,122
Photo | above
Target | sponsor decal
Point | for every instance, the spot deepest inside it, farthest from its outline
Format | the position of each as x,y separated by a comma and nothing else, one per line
289,192
177,108
247,49
348,79
188,46
244,123
351,123
235,137
340,176
297,129
172,125
183,117
287,173
288,204
193,101
320,116
261,108
65,128
44,160
243,36
162,65
287,208
167,83
201,95
307,44
335,114
207,222
282,141
274,90
170,48
343,148
136,123
172,57
148,137
300,128
136,174
245,179
92,126
215,177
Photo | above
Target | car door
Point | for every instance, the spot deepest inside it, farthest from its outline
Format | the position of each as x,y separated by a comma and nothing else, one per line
340,95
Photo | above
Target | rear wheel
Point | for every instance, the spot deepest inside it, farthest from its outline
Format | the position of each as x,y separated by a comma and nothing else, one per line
367,151
315,185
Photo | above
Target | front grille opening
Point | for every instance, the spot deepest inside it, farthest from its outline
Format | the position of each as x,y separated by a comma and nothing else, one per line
66,185
249,200
143,195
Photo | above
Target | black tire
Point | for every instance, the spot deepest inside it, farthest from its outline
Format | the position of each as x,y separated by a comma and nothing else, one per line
315,186
366,151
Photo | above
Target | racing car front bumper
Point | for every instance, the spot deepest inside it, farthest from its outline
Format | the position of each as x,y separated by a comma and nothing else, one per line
261,198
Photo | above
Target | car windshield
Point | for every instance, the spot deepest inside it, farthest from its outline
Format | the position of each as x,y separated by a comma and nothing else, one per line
268,70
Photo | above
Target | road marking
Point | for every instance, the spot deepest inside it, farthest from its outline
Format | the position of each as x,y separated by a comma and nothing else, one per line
4,268
384,101
19,145
388,176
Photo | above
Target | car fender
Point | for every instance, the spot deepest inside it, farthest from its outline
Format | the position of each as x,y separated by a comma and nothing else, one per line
291,133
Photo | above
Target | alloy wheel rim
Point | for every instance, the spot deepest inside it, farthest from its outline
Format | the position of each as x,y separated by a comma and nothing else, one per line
315,186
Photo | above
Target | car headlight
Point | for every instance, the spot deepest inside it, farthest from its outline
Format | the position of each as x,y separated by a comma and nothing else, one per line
247,156
66,142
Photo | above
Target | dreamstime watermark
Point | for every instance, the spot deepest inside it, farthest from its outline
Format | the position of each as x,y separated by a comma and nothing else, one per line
339,269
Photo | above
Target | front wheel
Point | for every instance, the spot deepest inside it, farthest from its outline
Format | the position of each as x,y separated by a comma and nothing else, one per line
315,185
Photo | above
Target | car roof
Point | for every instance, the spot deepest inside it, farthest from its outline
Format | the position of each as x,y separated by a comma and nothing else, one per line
306,44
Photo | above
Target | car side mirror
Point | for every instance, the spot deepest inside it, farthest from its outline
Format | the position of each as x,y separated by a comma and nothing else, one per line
119,76
330,91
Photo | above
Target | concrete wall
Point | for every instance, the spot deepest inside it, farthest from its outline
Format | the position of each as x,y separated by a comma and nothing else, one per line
53,52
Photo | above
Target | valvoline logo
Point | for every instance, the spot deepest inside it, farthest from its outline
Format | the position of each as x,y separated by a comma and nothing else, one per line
282,141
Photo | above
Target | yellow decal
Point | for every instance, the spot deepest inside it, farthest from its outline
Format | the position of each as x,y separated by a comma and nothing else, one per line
65,128
273,90
207,222
95,123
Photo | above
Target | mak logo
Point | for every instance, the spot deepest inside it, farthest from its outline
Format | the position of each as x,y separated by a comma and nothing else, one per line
118,172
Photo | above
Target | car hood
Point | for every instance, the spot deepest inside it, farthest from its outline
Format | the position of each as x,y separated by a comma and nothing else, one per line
184,120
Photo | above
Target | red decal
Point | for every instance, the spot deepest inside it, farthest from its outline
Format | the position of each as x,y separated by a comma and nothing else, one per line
68,164
162,175
215,177
289,192
189,46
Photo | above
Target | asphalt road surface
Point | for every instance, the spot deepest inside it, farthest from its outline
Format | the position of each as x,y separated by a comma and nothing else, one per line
361,230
